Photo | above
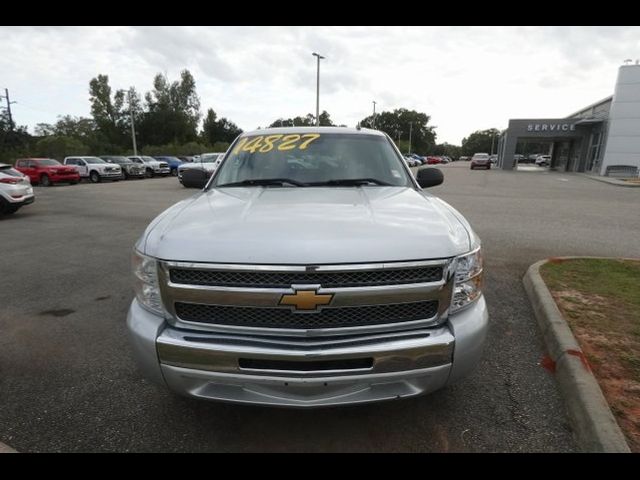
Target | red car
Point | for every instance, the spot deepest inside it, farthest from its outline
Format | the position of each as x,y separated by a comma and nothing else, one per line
433,160
46,171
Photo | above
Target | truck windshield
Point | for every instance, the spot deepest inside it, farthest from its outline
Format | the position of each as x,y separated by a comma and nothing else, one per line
312,159
93,160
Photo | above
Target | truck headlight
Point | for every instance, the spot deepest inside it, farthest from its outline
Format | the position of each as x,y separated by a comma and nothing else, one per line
468,281
145,273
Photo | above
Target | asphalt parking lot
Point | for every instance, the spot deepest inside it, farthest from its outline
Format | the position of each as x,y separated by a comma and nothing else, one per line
68,381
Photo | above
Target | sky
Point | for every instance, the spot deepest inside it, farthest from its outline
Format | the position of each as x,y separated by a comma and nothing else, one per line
465,78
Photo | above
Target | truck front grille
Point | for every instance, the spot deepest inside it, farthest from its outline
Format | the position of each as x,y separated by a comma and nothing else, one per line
261,279
331,317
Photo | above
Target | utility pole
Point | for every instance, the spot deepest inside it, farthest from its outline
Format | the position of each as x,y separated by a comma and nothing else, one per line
373,122
133,128
410,129
6,96
493,138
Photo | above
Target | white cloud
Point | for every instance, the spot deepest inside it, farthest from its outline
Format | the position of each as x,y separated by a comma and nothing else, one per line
465,78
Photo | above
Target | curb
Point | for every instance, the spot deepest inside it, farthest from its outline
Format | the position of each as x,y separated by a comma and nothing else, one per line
6,449
595,427
612,181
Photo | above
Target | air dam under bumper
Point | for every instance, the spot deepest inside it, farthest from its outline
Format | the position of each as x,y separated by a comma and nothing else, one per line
403,364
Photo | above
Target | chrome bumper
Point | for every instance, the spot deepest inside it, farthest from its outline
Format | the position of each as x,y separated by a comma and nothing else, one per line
403,364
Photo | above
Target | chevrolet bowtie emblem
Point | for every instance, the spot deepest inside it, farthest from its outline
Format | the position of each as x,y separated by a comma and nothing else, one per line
306,299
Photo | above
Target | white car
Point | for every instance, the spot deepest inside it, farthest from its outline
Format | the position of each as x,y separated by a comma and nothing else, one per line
207,162
15,190
95,168
543,160
152,166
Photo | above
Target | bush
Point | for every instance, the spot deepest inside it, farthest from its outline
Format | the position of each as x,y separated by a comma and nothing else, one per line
58,147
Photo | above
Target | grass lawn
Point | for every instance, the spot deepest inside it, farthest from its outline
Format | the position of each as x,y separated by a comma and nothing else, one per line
600,299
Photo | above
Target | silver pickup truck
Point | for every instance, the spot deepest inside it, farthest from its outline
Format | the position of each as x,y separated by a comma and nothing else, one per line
311,270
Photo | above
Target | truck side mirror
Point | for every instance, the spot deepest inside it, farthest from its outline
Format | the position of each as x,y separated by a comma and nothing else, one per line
194,178
429,177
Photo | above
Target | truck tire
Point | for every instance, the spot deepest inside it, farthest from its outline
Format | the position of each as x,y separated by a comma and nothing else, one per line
94,177
45,181
149,172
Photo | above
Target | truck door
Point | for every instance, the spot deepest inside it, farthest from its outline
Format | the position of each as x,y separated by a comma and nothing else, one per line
82,167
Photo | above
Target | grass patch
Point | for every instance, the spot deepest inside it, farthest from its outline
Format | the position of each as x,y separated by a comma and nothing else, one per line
600,299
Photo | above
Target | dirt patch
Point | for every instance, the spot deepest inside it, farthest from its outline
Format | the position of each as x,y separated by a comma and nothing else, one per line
600,299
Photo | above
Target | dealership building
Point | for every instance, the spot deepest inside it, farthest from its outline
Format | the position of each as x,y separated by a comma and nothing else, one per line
602,138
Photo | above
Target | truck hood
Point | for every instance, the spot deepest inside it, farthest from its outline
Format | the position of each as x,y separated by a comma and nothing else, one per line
308,225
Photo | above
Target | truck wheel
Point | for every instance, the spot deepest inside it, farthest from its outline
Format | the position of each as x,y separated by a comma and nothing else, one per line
45,181
94,177
174,172
149,172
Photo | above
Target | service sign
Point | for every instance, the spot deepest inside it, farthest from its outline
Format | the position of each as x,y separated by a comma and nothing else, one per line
551,127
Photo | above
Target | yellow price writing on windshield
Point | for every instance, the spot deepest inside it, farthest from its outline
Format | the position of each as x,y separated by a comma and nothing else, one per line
280,142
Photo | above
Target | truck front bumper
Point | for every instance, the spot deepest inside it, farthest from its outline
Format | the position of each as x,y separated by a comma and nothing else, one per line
234,369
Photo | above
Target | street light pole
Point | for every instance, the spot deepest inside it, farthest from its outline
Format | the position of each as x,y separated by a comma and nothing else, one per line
133,129
373,123
410,129
320,57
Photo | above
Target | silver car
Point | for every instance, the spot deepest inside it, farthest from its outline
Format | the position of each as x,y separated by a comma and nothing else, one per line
312,270
15,190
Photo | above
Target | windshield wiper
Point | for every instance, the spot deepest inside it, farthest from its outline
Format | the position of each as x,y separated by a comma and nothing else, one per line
264,182
349,182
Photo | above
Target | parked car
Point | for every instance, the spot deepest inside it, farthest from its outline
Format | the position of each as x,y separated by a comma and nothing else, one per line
445,159
95,169
207,163
46,171
543,160
420,159
464,159
493,159
173,162
129,168
15,190
432,160
187,158
533,157
244,291
480,160
152,167
517,158
412,162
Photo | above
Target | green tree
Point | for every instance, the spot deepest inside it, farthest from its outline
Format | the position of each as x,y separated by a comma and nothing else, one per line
397,124
81,128
107,111
173,111
308,120
60,146
452,151
15,141
480,141
214,130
